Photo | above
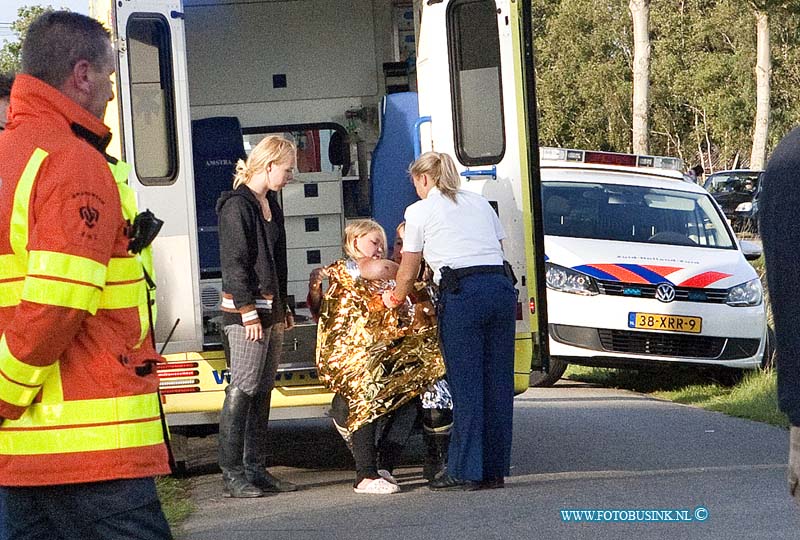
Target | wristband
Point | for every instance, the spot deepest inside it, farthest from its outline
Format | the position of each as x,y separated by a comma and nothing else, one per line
394,299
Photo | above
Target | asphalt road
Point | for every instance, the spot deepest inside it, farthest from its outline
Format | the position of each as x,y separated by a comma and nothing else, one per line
575,447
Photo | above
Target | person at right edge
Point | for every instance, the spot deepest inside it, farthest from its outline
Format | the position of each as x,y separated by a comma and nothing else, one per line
780,235
81,436
459,235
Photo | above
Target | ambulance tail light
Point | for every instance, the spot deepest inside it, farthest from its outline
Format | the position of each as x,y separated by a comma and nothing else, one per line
162,368
178,378
183,373
184,390
175,384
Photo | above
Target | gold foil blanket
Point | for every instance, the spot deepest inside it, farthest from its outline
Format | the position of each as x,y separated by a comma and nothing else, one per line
376,358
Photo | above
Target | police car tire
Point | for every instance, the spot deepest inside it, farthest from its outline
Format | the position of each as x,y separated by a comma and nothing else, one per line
557,369
768,361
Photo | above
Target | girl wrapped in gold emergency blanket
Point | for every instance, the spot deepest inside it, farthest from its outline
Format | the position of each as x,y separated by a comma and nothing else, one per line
377,358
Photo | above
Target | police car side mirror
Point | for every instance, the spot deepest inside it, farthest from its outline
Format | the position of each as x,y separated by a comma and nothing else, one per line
750,250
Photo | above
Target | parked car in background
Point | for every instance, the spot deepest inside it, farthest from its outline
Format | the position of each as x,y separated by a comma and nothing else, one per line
734,191
746,214
642,269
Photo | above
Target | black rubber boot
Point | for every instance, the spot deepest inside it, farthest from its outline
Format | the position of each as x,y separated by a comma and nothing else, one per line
436,454
436,425
255,448
232,424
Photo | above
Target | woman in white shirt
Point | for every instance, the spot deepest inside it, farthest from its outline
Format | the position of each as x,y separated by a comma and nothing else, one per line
459,235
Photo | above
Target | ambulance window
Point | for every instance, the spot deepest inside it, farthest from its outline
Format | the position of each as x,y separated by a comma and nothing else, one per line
152,100
474,45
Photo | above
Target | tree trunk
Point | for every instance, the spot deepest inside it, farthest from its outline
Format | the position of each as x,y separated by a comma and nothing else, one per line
763,72
640,14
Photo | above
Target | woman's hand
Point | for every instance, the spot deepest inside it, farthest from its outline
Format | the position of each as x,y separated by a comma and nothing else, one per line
253,332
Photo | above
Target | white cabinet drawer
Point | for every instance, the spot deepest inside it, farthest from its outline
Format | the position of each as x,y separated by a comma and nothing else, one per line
313,231
302,261
301,199
309,177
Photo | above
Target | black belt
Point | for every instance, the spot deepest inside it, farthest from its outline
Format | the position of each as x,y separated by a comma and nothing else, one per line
484,269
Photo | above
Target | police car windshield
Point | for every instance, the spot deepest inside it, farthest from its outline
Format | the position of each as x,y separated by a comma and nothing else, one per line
632,214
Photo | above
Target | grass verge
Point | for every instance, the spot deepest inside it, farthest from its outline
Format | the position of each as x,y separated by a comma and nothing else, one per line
754,397
175,499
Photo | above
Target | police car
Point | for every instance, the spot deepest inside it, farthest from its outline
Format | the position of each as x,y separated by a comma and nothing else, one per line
642,268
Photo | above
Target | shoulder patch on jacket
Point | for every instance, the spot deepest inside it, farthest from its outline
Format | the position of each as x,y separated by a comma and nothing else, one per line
83,211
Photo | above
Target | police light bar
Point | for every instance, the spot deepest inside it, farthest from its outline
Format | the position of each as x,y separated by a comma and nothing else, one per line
610,158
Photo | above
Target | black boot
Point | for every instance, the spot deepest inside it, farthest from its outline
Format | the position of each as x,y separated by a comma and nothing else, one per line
436,425
232,424
436,453
255,448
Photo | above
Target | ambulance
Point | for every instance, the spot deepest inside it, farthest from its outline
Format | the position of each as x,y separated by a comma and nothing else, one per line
643,269
362,87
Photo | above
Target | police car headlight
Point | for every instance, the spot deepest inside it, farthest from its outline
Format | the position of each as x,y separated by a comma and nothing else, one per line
746,294
745,207
567,280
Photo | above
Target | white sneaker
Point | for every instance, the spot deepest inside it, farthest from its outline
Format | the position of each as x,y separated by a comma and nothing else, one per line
386,475
377,486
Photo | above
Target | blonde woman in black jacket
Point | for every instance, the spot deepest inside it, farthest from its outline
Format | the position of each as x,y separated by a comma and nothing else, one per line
255,314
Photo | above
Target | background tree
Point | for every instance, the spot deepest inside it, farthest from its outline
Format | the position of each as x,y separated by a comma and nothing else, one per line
583,64
763,72
10,51
702,92
640,15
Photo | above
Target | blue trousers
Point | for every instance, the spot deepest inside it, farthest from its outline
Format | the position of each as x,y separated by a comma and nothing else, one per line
112,510
477,329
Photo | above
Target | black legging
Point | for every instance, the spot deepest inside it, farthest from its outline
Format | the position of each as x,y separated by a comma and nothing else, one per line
395,429
363,439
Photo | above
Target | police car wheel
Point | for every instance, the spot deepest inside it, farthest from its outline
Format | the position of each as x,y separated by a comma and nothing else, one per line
768,360
543,380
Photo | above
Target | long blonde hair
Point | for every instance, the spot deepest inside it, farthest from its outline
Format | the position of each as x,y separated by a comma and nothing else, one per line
271,149
356,229
442,171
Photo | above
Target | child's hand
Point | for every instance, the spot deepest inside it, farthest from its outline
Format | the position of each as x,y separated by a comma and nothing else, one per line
389,299
316,277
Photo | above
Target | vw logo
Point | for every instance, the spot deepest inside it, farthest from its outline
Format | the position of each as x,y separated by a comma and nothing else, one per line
665,292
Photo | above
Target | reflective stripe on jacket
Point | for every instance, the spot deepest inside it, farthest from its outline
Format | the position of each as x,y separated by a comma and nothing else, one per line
74,321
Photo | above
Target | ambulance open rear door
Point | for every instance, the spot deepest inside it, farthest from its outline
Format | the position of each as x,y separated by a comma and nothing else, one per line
477,103
157,143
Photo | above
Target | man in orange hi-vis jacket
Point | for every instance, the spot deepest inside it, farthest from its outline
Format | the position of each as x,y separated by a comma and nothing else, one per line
81,436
